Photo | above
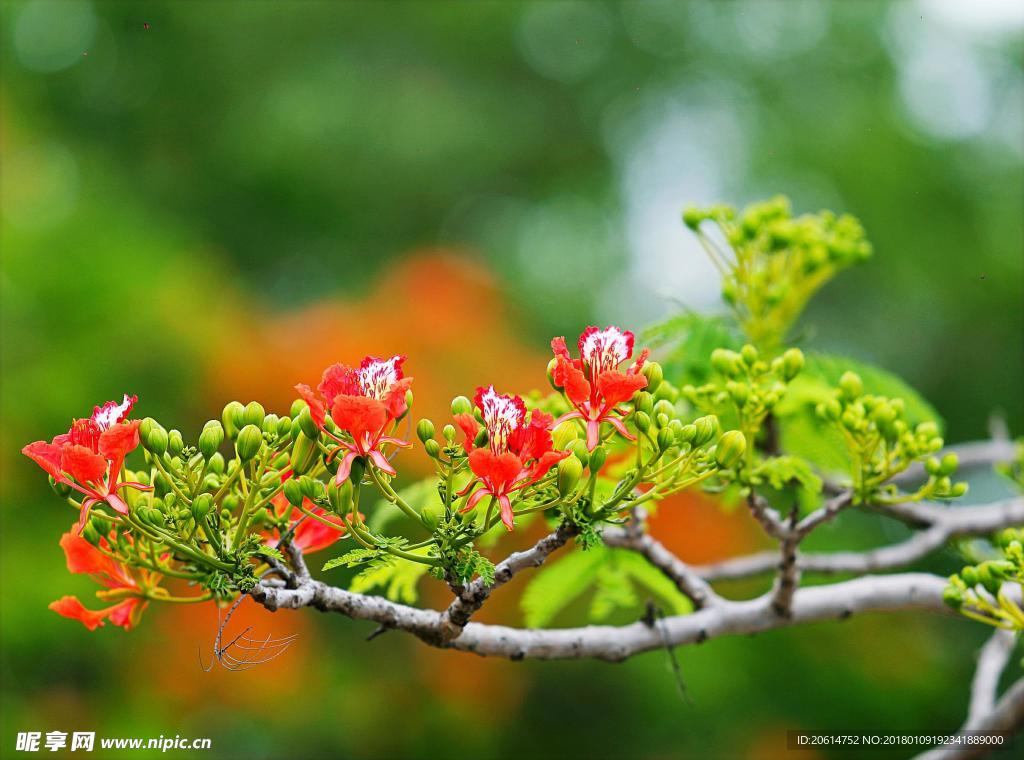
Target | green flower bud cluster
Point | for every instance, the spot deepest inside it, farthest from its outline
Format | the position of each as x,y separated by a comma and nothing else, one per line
977,590
882,444
773,262
749,386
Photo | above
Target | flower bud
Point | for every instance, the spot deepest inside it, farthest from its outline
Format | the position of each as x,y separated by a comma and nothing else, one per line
644,402
340,497
692,217
958,490
927,429
662,420
551,374
60,487
580,451
563,436
211,438
432,515
249,441
933,466
792,363
293,492
296,408
306,424
90,534
952,597
201,506
481,438
666,438
949,464
749,354
145,427
654,374
216,463
433,448
597,459
269,424
851,385
706,428
425,430
724,361
730,449
284,427
970,576
461,405
253,414
686,434
312,488
103,525
642,421
157,440
665,407
304,453
233,418
570,470
738,392
358,470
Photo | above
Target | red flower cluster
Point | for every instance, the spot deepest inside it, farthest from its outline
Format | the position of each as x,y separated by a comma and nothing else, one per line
517,453
593,383
364,403
117,579
89,456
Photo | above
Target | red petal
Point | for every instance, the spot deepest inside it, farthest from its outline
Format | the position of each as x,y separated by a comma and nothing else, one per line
117,440
498,471
572,381
559,348
359,415
316,407
126,614
82,464
469,426
395,400
616,387
46,455
506,512
70,607
338,379
547,460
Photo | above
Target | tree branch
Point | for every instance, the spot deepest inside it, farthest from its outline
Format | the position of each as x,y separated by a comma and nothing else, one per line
686,580
838,601
473,595
945,523
985,713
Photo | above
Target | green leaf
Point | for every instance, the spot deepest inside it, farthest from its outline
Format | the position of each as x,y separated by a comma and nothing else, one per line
558,585
614,591
270,551
781,472
691,338
399,580
358,557
655,581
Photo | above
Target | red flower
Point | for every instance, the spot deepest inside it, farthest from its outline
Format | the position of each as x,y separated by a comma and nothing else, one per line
593,383
517,453
310,535
117,579
363,402
89,456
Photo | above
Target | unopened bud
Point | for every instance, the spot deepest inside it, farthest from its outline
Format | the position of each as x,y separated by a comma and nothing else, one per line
253,414
306,424
666,438
580,451
269,424
156,442
551,374
448,431
60,487
730,449
249,441
293,492
201,506
949,464
749,354
284,427
642,421
340,497
211,438
597,459
296,408
431,515
654,374
570,470
792,363
425,430
851,385
90,534
644,402
433,448
461,405
304,453
233,418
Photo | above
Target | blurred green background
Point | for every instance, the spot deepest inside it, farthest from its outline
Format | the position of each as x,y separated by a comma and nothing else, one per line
209,201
